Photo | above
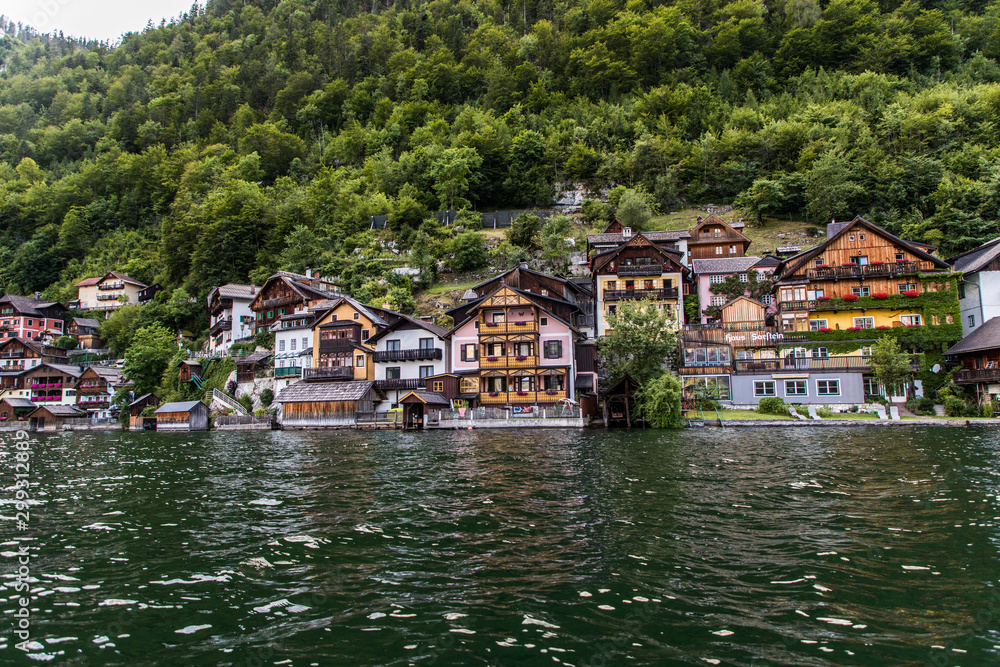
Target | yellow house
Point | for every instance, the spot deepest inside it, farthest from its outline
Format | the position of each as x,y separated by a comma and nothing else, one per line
340,336
108,292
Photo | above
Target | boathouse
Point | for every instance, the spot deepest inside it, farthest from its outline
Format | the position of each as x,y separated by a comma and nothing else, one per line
417,403
327,404
136,422
15,410
186,416
53,417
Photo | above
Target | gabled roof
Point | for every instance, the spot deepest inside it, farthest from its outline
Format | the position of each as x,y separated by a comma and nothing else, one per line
124,277
528,296
404,320
716,220
426,397
724,265
106,372
300,285
639,240
143,398
321,392
61,410
72,371
86,322
977,258
655,237
512,278
986,337
89,282
323,308
237,291
27,305
768,260
18,402
185,406
792,264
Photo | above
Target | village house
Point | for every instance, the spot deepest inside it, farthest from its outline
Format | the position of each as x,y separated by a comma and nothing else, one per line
616,235
292,346
84,331
341,330
53,417
285,293
326,404
20,354
108,292
405,354
229,315
184,416
714,238
979,287
638,270
979,355
96,388
711,272
52,384
136,422
14,410
511,351
32,318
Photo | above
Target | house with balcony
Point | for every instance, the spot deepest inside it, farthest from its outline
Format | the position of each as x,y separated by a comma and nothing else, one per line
638,270
341,330
52,384
31,318
20,354
979,355
862,277
95,389
108,292
712,272
714,238
405,354
285,293
511,351
229,315
292,339
84,331
979,287
616,235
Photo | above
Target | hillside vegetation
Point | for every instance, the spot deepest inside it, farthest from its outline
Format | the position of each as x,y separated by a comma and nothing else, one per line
253,136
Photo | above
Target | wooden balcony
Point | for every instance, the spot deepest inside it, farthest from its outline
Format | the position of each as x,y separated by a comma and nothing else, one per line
111,286
508,361
220,326
329,373
789,306
341,345
976,376
287,371
521,397
267,304
650,294
858,271
643,270
420,354
398,384
504,328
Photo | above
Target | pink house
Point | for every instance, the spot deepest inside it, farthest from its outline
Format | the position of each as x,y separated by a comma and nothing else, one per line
709,272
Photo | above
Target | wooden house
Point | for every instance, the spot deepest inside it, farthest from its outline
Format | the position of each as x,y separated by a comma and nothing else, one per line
285,293
84,331
638,270
52,383
136,422
13,410
979,355
341,332
229,314
189,368
616,235
53,417
248,367
96,388
185,416
30,318
714,238
417,404
326,404
21,354
618,403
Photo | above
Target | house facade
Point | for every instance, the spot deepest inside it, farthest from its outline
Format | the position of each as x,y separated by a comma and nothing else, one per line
108,292
95,389
404,355
19,354
341,330
326,404
979,356
292,339
85,332
637,270
979,287
229,314
617,235
714,238
52,384
711,272
32,318
285,293
512,352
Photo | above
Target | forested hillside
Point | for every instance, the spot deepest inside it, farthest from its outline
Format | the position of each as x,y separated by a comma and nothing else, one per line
258,135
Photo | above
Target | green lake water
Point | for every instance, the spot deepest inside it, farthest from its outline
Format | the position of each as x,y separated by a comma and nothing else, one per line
804,546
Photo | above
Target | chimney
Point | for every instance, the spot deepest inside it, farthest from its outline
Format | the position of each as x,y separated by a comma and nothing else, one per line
309,272
524,265
38,296
626,232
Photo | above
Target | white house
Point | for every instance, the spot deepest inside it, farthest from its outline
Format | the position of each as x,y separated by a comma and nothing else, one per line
292,335
407,352
229,315
979,287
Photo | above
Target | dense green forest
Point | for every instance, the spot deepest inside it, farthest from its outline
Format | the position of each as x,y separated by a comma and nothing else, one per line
252,136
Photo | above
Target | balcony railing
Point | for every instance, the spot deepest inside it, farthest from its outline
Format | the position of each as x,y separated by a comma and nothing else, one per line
981,375
787,306
287,371
810,364
329,373
420,354
396,384
509,361
501,328
107,297
654,294
277,303
110,286
515,397
856,271
337,345
12,355
220,326
642,270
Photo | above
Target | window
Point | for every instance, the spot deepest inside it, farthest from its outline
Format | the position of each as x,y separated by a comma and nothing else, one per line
910,287
911,320
611,285
816,325
796,388
612,309
333,318
553,382
281,346
714,386
495,350
468,385
366,334
392,373
871,386
701,356
470,352
392,346
553,349
900,257
766,299
819,261
717,278
305,343
438,386
864,322
744,355
793,293
544,321
359,361
763,388
27,323
426,371
860,260
732,250
861,237
357,316
58,325
496,318
820,353
718,300
426,343
866,351
718,250
861,291
972,321
850,237
815,293
828,387
961,289
744,278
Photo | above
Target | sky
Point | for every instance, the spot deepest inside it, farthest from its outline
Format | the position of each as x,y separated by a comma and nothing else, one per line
98,19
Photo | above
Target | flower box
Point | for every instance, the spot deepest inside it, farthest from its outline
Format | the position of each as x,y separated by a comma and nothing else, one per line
849,264
911,292
491,324
522,393
520,324
900,261
877,263
850,297
822,266
825,329
882,326
880,295
494,393
521,358
492,358
550,392
822,298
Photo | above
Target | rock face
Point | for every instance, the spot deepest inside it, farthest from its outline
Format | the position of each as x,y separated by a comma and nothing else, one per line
570,196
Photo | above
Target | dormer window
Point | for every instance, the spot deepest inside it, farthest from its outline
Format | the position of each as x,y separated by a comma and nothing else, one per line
627,232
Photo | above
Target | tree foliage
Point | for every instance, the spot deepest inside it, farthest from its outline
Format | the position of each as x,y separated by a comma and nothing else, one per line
890,365
148,356
641,342
659,402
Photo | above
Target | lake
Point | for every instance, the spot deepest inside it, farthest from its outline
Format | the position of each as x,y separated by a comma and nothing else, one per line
769,546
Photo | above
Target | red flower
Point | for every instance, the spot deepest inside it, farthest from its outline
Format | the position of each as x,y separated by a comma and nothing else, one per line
822,298
850,297
883,327
825,329
854,328
880,295
849,264
911,292
877,263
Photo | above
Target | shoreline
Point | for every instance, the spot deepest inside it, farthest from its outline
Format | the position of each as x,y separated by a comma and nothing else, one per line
800,423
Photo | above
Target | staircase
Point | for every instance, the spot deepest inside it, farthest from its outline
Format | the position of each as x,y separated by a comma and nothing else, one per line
228,402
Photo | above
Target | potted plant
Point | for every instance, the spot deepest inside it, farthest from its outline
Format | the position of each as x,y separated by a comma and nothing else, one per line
522,393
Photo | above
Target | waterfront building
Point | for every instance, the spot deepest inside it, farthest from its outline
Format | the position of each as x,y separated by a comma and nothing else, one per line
183,416
285,293
292,346
15,410
326,404
404,355
979,355
229,315
341,330
96,388
638,269
979,288
108,292
711,272
31,318
53,417
137,407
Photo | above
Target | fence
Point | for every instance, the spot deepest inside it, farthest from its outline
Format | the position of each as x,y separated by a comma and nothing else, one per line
527,412
493,220
229,402
265,421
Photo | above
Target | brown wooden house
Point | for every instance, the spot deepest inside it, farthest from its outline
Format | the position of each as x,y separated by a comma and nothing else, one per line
979,355
188,369
136,422
84,331
53,417
326,404
416,405
714,238
96,388
185,416
20,354
284,293
618,403
13,410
